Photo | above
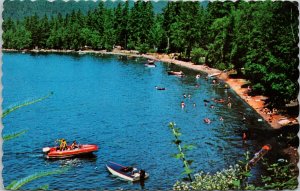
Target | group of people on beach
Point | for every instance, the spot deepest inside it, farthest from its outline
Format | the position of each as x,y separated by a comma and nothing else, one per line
269,112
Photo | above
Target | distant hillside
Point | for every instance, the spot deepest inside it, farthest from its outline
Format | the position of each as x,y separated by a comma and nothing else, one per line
18,9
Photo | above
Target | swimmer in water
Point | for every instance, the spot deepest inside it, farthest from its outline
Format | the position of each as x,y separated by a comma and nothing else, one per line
229,104
207,120
182,104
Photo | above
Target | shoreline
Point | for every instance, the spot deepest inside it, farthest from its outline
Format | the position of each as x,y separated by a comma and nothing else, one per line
257,102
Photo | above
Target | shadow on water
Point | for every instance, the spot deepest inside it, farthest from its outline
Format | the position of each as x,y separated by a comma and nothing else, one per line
121,181
91,157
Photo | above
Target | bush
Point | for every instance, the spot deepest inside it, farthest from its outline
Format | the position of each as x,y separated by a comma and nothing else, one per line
227,179
143,48
198,55
258,88
152,50
221,66
130,45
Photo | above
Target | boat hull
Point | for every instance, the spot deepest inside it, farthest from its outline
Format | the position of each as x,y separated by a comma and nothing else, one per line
150,65
175,73
116,170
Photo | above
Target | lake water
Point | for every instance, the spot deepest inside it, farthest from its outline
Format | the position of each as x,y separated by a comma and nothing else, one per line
113,103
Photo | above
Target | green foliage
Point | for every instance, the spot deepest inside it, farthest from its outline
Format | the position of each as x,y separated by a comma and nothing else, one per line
281,177
156,33
44,187
15,107
188,147
227,179
12,136
198,55
143,48
20,9
186,163
90,38
108,38
15,185
18,39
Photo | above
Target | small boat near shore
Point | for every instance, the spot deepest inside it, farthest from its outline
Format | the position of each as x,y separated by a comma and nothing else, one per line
150,64
160,88
176,73
214,75
126,173
55,153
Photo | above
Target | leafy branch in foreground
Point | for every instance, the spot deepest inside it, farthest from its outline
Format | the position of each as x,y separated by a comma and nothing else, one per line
281,176
227,179
44,187
15,107
15,185
13,135
181,155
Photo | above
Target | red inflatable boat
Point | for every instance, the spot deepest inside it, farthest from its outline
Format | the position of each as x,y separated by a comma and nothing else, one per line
55,153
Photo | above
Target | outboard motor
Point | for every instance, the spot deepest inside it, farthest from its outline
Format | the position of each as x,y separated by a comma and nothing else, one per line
142,175
46,149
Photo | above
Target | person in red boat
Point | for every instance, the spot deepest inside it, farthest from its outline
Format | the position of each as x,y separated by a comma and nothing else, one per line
63,145
74,145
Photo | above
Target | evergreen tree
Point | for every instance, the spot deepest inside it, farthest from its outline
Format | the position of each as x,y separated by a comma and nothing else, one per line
109,38
156,33
170,16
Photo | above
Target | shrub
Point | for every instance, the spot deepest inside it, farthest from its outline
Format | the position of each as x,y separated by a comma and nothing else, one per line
143,48
198,55
227,179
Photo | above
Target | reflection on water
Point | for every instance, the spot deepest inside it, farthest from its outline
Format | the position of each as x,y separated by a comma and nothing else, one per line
113,103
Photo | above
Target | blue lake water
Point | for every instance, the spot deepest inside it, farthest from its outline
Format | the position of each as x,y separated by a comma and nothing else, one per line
113,103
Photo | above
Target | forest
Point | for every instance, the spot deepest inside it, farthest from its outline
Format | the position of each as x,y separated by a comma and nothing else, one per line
259,40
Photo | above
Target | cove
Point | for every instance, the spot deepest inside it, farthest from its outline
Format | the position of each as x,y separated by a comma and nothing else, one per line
112,102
